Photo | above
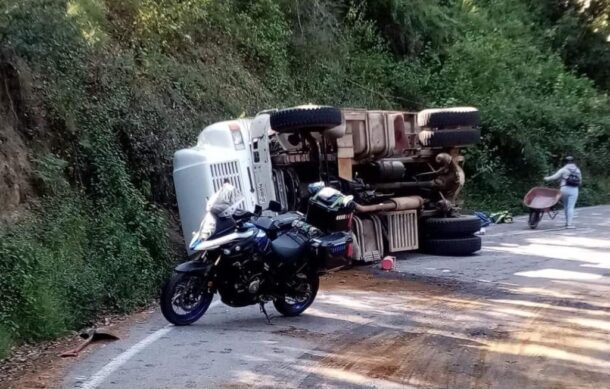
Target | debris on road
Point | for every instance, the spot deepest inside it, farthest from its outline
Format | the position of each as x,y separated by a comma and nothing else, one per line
90,336
388,263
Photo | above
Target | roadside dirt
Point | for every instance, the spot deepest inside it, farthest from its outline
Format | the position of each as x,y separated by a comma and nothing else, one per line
36,366
40,366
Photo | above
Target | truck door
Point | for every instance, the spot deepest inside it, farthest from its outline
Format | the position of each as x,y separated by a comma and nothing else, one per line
261,175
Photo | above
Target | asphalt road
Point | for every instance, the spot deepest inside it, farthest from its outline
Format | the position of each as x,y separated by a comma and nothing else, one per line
530,311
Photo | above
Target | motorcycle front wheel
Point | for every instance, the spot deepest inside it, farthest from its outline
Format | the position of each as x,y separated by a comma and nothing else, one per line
185,298
289,305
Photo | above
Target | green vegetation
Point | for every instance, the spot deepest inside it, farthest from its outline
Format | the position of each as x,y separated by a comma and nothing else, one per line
117,86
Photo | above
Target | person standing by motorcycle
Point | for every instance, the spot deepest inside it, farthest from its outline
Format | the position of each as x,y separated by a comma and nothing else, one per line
570,180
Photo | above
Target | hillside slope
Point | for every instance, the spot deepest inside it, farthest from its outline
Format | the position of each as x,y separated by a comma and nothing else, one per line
96,95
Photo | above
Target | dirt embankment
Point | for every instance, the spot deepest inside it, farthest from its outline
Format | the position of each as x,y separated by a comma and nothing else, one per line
22,119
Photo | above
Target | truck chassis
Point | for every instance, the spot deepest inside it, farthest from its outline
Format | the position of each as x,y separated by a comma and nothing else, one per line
403,168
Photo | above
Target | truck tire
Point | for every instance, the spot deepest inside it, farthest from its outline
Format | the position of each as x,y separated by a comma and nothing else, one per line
449,138
455,227
311,118
452,247
449,117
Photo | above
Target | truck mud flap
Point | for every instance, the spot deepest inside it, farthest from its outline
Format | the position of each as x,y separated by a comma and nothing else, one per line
369,237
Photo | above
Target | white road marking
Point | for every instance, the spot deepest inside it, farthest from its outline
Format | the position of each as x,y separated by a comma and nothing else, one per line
98,378
527,232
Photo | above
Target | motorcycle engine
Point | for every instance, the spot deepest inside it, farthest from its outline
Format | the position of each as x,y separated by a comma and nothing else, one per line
255,285
243,278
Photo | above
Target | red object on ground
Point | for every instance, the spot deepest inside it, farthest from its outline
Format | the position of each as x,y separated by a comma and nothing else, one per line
387,263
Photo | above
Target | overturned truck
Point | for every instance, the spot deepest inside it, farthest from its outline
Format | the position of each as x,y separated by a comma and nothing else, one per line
404,170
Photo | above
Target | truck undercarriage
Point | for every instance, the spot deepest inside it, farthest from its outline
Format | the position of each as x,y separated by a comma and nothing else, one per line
404,170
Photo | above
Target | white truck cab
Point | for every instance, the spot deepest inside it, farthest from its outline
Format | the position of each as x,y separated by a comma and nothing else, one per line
237,150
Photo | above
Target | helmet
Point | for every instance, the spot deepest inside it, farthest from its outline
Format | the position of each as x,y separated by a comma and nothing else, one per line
314,188
569,159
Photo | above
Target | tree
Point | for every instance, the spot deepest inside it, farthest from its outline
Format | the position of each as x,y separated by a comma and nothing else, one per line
580,32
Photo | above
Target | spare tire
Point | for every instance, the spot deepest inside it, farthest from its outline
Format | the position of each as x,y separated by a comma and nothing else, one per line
449,117
445,227
310,118
456,246
449,138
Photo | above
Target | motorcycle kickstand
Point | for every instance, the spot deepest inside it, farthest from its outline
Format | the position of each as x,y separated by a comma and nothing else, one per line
263,310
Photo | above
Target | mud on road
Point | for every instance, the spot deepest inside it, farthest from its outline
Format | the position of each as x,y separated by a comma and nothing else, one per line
452,336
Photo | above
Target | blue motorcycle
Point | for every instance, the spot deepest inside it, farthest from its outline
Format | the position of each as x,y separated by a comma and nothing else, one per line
251,259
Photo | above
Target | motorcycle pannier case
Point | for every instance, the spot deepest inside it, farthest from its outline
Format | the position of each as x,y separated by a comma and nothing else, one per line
334,250
289,248
329,214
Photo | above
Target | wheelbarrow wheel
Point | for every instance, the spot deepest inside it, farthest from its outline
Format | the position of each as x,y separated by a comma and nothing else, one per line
535,217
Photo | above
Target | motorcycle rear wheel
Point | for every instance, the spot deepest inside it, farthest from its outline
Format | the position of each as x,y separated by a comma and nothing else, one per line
185,298
292,305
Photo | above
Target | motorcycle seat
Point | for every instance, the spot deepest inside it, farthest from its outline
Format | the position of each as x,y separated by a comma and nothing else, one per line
277,223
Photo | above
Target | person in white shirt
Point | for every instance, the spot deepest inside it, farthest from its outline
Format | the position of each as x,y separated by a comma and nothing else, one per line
570,180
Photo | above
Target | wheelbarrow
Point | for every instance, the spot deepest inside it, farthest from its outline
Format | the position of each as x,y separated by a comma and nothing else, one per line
541,200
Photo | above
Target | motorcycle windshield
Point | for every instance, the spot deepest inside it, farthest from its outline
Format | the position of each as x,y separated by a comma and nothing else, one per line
221,205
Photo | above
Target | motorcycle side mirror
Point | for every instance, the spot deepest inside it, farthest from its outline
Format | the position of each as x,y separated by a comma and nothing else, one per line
258,210
274,206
